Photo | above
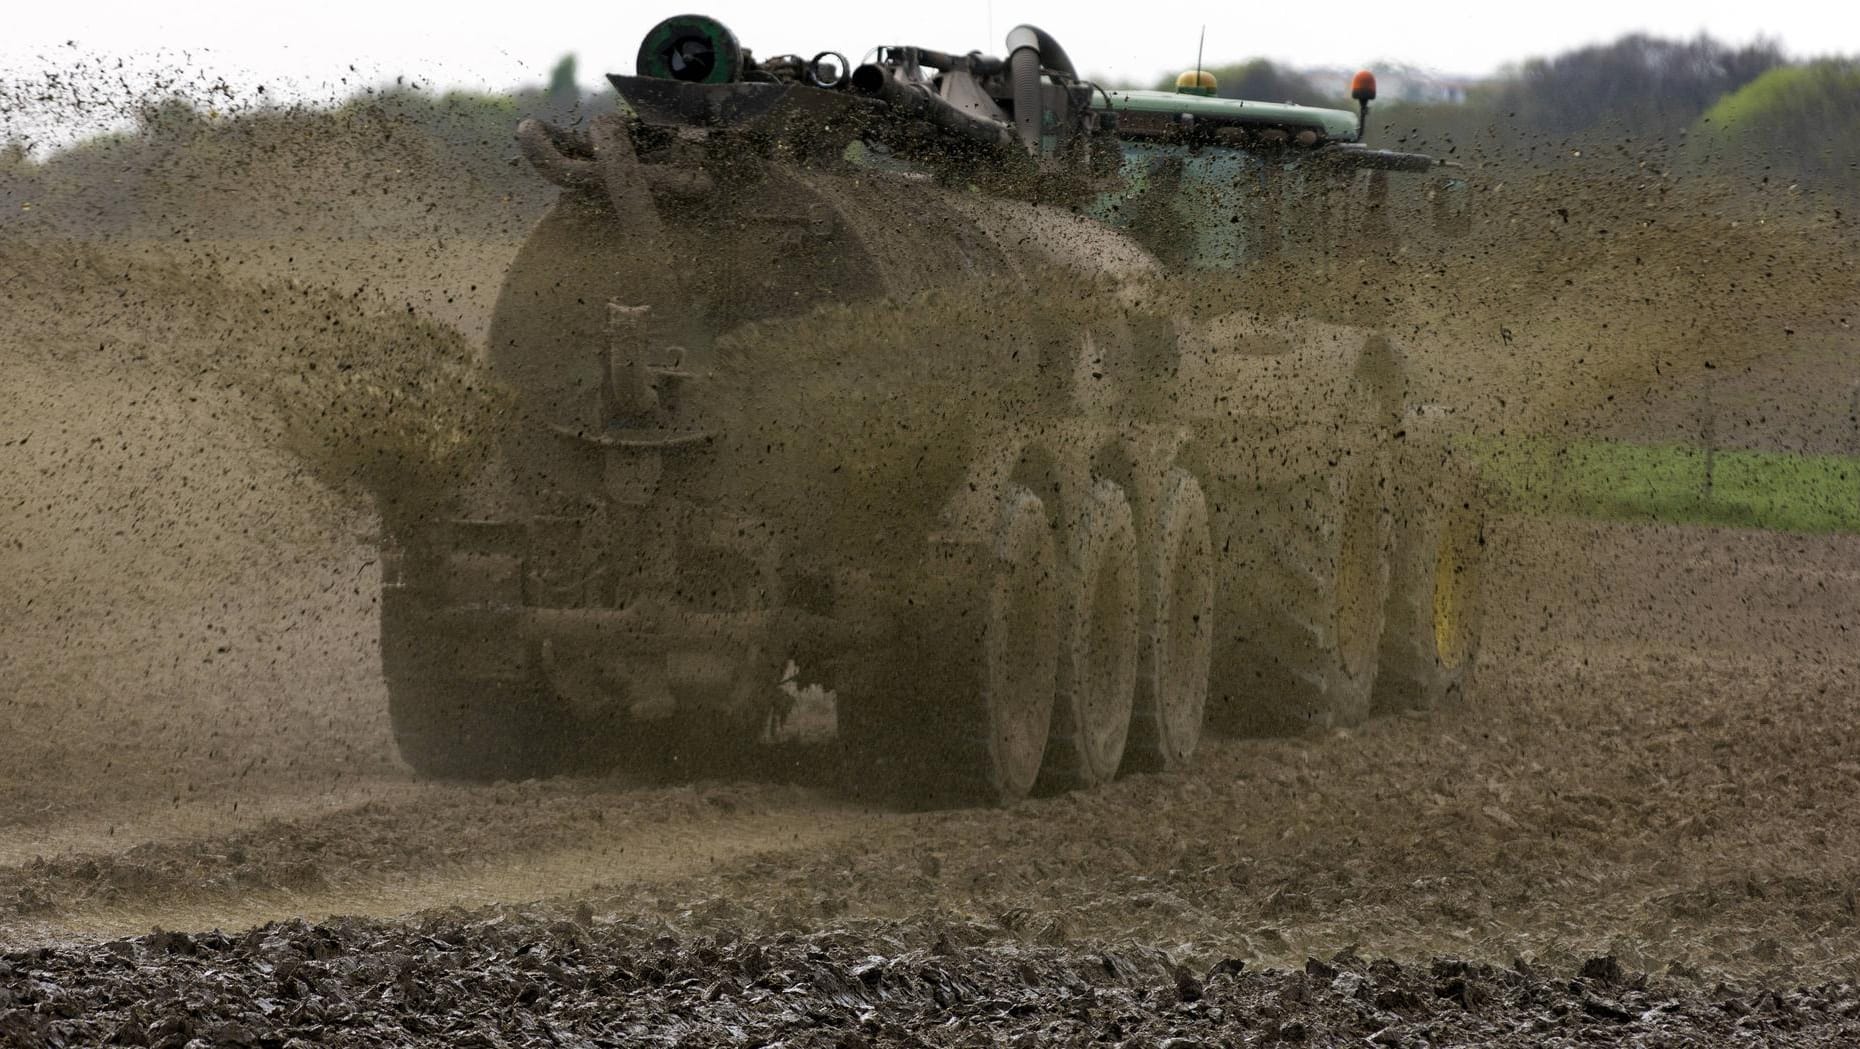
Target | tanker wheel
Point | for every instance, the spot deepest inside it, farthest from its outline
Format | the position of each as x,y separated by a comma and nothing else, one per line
1434,627
717,729
480,730
470,703
961,709
1304,649
1098,648
1177,633
1000,732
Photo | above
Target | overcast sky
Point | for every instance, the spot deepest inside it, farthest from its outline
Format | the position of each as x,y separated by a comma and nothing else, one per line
306,48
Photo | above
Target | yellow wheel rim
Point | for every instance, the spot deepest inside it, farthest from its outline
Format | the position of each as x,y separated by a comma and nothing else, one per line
1452,581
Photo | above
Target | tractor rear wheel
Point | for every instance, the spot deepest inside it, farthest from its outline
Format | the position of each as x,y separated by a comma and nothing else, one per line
1431,639
1302,635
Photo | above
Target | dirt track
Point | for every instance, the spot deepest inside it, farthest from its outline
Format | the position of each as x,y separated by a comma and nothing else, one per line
1658,768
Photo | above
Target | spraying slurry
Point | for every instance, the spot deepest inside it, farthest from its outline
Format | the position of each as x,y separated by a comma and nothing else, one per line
1649,774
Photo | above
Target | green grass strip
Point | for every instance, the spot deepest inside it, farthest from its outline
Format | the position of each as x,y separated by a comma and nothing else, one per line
1614,480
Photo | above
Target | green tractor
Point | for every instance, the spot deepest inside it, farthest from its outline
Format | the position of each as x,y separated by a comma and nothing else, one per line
933,377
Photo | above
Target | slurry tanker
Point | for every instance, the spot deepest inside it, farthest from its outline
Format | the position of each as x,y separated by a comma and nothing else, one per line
946,381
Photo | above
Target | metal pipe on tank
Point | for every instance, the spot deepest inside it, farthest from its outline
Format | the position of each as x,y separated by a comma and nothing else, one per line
1052,56
918,100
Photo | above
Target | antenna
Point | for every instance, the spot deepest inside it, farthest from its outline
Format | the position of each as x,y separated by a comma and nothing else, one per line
1199,44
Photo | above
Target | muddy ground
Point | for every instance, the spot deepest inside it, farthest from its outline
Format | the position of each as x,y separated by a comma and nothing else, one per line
1636,781
525,979
1658,768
